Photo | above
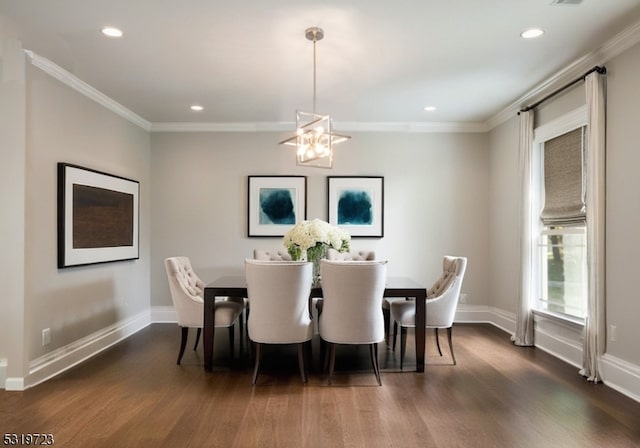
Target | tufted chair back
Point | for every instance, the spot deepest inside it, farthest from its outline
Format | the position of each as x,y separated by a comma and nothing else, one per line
441,307
450,270
186,291
271,255
359,255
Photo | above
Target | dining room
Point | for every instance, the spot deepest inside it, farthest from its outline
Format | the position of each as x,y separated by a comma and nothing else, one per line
443,187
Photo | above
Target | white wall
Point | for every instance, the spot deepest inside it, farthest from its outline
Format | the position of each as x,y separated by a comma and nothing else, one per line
504,204
436,200
12,202
65,126
623,204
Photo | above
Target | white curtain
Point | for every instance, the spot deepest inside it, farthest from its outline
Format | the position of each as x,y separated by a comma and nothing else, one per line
594,328
524,316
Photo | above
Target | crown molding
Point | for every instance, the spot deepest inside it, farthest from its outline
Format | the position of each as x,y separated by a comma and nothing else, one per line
444,127
222,127
619,43
85,89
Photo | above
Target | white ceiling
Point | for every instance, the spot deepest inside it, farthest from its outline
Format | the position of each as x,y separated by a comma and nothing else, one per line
380,61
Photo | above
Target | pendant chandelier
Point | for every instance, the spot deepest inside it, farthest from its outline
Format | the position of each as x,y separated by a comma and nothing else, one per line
314,137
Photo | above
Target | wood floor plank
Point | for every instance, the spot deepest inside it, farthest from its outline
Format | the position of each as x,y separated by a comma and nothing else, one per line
498,395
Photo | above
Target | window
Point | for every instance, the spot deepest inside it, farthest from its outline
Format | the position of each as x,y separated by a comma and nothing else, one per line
560,255
562,259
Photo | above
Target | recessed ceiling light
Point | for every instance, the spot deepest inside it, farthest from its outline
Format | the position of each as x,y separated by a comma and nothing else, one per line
430,108
197,107
531,33
111,31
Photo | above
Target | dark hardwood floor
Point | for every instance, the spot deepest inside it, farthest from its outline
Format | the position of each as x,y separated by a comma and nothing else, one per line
499,395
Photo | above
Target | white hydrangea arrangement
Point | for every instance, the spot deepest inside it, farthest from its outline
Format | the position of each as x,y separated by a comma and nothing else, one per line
312,238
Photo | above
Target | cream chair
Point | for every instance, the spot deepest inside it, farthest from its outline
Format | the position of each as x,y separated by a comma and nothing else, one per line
442,301
362,255
352,312
279,295
187,294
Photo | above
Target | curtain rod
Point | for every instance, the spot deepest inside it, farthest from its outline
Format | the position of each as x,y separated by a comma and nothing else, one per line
601,70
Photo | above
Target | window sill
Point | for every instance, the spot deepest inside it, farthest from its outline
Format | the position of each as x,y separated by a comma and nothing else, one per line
574,322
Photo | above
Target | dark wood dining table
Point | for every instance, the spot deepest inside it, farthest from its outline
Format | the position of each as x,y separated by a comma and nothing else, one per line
236,286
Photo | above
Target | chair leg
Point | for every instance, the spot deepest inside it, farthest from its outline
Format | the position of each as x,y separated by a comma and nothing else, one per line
373,351
232,340
386,313
257,350
183,343
451,344
332,360
395,334
324,355
308,355
438,341
198,333
403,344
303,373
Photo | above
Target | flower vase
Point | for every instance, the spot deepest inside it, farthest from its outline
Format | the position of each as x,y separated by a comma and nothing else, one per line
315,255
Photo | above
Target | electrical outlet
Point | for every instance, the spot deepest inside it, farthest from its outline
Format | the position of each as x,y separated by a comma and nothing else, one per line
463,297
46,336
612,333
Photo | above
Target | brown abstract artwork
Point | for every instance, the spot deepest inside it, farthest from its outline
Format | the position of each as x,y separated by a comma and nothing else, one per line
101,217
98,217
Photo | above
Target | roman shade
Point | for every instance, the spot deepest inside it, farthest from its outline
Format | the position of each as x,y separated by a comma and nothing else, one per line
564,199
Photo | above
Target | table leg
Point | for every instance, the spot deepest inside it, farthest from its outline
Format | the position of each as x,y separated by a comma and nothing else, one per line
209,323
420,331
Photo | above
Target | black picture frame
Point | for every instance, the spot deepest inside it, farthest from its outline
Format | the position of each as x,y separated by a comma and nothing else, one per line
275,204
98,217
356,204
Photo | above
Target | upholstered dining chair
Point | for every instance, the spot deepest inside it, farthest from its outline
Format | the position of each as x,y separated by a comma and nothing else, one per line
352,313
187,294
441,304
362,255
279,295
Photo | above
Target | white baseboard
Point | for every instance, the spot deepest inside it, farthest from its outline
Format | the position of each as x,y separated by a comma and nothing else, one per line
621,376
3,372
477,314
57,361
163,314
559,338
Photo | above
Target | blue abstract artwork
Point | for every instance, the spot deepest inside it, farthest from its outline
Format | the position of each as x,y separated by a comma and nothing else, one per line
355,207
277,206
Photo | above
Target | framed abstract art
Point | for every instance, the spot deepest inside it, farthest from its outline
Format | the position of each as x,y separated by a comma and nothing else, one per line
356,204
98,217
275,204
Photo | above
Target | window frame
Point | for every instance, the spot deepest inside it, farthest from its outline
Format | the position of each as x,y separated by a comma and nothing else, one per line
569,122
